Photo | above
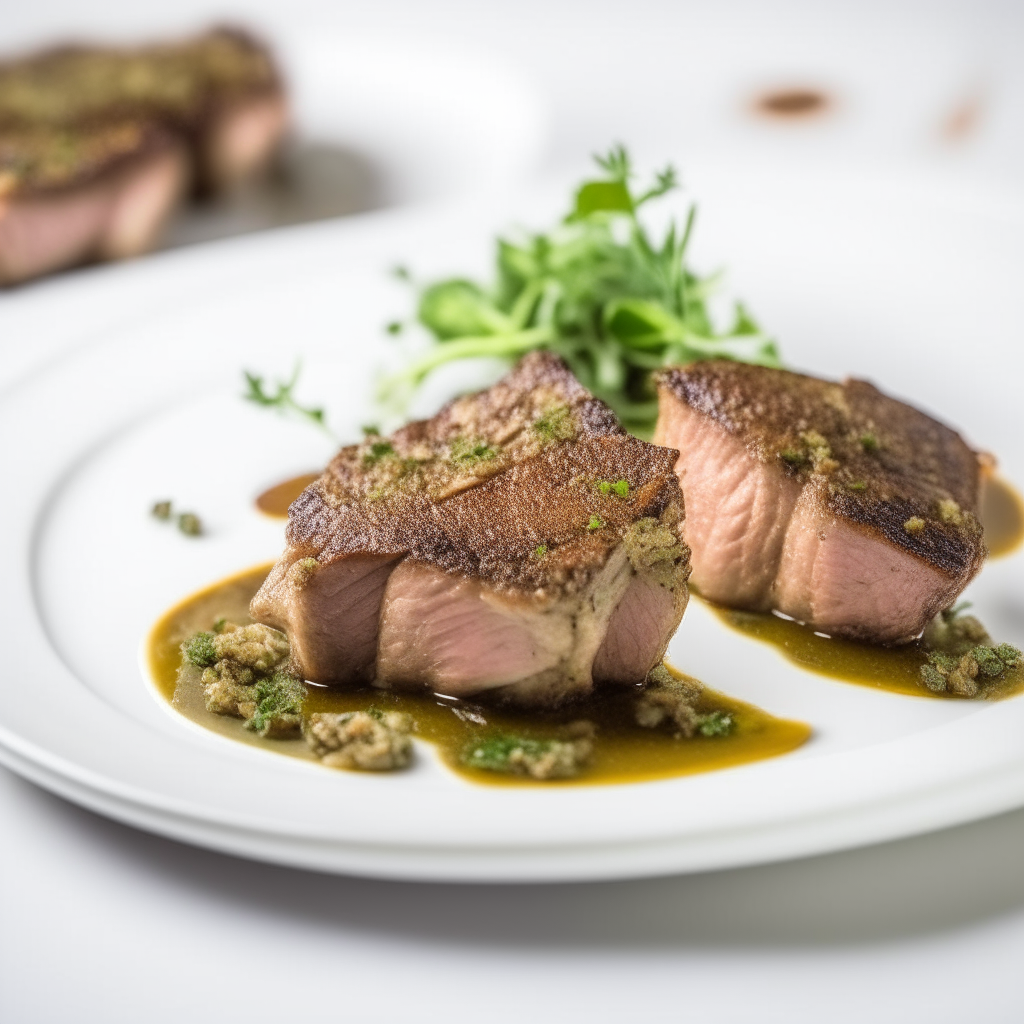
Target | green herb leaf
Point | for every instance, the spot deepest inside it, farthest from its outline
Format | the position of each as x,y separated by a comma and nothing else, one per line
596,196
597,290
459,309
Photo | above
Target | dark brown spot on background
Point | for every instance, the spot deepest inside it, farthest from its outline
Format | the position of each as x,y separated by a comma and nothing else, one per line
963,119
792,104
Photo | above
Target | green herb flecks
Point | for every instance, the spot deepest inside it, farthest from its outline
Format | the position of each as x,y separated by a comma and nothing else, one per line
467,452
556,424
283,398
595,523
199,650
278,704
618,487
378,450
596,290
540,759
962,658
717,723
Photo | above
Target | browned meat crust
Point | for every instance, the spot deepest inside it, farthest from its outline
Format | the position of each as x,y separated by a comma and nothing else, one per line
37,160
483,486
874,461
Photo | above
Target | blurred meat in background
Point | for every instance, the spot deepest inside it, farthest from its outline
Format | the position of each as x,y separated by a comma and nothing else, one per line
98,146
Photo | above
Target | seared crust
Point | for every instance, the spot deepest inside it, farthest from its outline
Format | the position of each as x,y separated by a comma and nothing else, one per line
503,486
870,459
42,160
63,110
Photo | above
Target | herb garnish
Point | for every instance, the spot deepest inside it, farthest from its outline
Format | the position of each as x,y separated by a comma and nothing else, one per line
467,452
538,758
962,657
199,650
283,399
188,522
378,450
619,487
278,697
597,291
715,723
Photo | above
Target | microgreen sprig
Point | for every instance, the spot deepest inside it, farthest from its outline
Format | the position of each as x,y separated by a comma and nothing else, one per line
597,291
283,399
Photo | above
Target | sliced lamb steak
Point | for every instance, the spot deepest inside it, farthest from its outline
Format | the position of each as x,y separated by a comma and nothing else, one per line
488,549
831,503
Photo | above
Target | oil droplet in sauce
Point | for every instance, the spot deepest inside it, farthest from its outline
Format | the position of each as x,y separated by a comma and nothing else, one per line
274,501
896,669
1002,516
792,104
623,751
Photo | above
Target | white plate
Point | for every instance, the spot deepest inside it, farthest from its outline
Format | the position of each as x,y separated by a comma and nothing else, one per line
914,287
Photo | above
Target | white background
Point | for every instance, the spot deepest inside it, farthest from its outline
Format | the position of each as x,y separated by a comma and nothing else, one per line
100,923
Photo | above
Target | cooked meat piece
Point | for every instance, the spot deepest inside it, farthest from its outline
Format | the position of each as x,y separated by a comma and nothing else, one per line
830,503
519,542
67,197
97,146
221,92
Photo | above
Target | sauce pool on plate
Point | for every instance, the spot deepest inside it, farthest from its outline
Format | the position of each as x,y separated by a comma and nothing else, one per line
1002,516
897,669
623,750
274,501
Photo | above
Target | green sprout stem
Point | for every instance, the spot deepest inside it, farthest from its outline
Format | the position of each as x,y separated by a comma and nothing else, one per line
596,290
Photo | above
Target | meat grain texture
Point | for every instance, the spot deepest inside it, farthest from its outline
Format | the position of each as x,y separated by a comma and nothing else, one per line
519,543
831,503
98,145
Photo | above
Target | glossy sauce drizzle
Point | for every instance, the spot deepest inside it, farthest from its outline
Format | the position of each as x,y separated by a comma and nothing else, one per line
274,501
897,669
623,751
1002,516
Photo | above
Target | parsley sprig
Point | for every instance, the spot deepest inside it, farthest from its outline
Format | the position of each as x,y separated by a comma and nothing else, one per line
597,291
